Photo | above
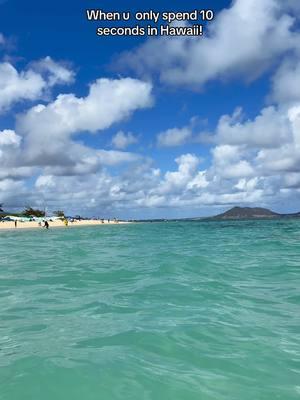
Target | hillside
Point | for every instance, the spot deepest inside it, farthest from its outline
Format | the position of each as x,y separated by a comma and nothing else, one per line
247,213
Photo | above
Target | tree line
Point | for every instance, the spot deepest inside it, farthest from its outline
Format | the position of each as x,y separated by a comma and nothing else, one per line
32,212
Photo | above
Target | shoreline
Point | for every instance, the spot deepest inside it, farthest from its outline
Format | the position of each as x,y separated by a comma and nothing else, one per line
10,225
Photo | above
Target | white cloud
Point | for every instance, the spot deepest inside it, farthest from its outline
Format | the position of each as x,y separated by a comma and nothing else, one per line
292,180
174,137
229,162
108,102
15,86
176,181
45,181
9,138
96,193
269,129
11,191
43,137
251,172
56,73
122,140
286,82
247,185
247,172
262,153
198,182
113,157
253,160
262,30
30,84
10,156
17,173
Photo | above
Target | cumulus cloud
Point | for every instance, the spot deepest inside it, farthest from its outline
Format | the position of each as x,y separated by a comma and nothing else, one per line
122,140
174,137
174,188
256,160
240,172
9,138
252,160
286,82
228,162
97,193
176,181
271,140
32,83
8,190
54,73
113,157
262,30
10,156
15,86
108,102
269,129
43,140
286,158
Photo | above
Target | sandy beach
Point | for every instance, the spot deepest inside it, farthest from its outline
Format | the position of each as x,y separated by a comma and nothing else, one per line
55,224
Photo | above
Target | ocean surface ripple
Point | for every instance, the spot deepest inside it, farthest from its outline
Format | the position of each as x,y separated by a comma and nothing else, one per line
178,310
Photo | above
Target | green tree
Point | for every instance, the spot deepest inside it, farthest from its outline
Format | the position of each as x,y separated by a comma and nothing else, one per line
1,207
31,212
59,213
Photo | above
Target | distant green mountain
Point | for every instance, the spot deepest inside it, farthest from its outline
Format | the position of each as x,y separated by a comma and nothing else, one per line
251,213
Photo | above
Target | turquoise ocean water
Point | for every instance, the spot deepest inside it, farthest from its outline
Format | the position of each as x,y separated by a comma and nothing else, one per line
187,310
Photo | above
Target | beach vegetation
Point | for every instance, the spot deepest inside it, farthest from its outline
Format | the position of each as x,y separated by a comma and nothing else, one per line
31,212
59,213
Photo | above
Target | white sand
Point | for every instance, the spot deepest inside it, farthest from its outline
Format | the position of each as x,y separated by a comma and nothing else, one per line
55,224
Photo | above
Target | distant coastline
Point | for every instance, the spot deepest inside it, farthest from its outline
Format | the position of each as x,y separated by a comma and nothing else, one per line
10,225
235,213
252,213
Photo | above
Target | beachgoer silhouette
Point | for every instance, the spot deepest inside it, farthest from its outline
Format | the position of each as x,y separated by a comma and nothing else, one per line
46,225
15,223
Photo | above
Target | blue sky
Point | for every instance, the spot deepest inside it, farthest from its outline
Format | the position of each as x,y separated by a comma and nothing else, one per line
139,127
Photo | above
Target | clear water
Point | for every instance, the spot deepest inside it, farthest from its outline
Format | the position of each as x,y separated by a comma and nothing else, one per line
200,310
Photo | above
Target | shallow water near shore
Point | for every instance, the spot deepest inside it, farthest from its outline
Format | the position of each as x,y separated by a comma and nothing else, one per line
179,310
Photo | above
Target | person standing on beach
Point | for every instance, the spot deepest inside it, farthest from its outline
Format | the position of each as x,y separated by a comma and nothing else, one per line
15,223
46,225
